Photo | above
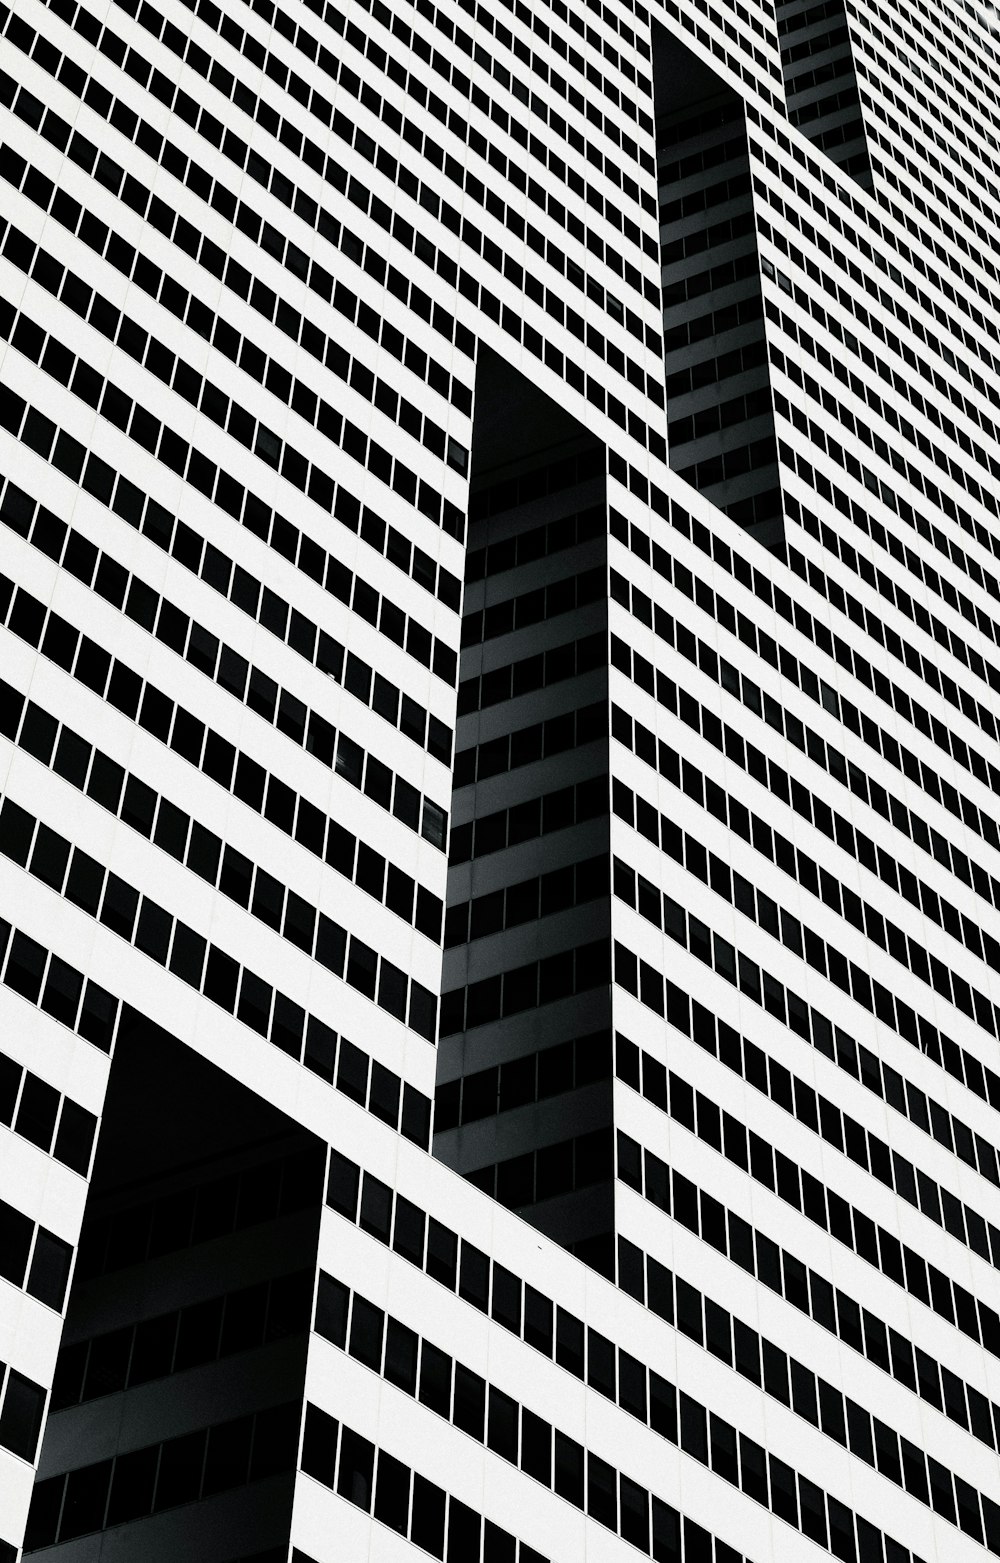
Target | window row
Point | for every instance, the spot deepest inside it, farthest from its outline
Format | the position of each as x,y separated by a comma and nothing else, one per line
414,85
242,426
704,197
573,659
724,738
351,1072
551,1071
22,1404
539,541
852,235
833,646
147,1481
585,105
340,1459
924,370
61,991
157,615
728,231
937,31
904,386
823,108
555,977
37,1111
931,1483
560,45
906,175
816,43
252,512
812,1397
922,480
798,673
738,51
802,868
823,1117
185,1338
695,281
244,506
242,350
539,816
582,1351
597,37
790,20
346,129
771,844
702,159
139,700
517,1435
573,18
945,180
578,590
33,1258
803,1288
553,1331
778,1000
864,219
188,841
213,1209
943,736
890,808
711,324
770,1167
220,760
893,591
886,1347
837,828
822,438
537,741
543,1452
449,1389
548,1173
543,895
962,1065
333,1058
174,945
720,416
268,372
756,456
968,102
192,173
765,707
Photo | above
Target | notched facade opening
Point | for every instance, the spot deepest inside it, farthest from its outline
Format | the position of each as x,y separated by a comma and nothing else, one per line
720,432
524,1080
178,1390
821,82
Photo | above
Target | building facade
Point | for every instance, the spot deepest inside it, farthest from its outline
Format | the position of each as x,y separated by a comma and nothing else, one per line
499,836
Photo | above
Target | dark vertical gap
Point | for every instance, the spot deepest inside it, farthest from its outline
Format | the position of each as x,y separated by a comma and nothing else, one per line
720,432
821,85
524,1080
178,1389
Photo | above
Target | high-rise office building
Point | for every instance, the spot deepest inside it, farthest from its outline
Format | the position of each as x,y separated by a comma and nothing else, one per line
499,828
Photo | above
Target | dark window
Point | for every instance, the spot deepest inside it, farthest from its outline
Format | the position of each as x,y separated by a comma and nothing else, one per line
392,1493
354,1478
427,1523
21,1417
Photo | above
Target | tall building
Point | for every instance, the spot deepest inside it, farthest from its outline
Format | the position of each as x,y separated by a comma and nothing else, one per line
499,816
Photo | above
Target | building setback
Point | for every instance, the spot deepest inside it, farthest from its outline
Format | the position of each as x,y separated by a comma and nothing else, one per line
499,824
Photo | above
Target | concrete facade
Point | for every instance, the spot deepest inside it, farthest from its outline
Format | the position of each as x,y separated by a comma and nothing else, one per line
499,734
